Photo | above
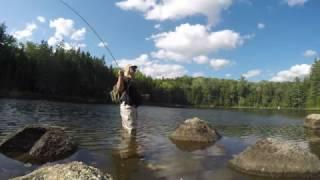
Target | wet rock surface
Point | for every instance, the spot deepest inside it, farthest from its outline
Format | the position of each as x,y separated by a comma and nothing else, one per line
70,171
195,130
312,121
277,158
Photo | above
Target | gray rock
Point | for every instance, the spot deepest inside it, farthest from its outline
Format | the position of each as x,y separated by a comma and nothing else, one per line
277,158
312,121
195,130
22,140
53,145
71,171
38,144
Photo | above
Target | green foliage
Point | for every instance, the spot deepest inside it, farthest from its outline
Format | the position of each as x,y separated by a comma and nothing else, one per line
41,69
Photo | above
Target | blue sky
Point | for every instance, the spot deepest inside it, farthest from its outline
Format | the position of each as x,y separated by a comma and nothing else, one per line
262,40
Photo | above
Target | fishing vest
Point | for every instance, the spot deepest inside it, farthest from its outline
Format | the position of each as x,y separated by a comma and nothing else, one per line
130,95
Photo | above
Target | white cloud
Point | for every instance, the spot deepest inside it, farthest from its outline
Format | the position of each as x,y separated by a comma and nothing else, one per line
157,26
310,53
169,55
64,28
78,34
292,3
102,44
177,9
218,64
252,73
138,5
154,68
299,70
67,46
78,45
261,26
198,74
201,59
228,75
54,40
188,41
26,32
41,19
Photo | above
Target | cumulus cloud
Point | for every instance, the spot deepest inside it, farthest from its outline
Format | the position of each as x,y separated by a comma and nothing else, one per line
292,3
157,26
78,34
169,55
64,28
102,44
162,10
154,68
252,73
41,19
201,59
228,75
310,53
261,26
218,64
299,70
198,74
26,32
188,41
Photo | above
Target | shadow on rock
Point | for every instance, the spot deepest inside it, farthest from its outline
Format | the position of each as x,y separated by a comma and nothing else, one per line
38,144
313,138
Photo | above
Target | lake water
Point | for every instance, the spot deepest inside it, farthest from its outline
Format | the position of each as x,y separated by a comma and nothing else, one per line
151,155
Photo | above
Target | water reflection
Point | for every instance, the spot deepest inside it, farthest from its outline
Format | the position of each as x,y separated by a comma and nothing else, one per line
150,154
313,138
126,157
190,146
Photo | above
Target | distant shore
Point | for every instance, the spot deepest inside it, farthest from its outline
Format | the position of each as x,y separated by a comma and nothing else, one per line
37,96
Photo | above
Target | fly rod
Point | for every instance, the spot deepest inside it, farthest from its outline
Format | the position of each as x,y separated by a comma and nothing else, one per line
93,30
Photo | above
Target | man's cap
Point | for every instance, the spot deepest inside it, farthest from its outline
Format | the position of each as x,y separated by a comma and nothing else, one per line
127,68
131,66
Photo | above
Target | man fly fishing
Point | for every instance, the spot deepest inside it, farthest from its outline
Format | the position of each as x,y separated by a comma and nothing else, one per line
130,98
126,92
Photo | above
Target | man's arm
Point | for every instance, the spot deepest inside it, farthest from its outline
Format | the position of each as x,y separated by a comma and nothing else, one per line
120,84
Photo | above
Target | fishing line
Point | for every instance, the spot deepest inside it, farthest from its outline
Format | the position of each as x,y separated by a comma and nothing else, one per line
92,29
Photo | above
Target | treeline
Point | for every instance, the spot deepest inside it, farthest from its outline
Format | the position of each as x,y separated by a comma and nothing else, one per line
56,72
40,69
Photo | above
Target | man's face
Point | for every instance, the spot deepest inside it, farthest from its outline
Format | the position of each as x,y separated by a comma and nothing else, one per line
132,71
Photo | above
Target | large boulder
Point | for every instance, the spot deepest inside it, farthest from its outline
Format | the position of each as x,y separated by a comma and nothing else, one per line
195,130
53,145
194,134
71,171
38,144
277,158
312,121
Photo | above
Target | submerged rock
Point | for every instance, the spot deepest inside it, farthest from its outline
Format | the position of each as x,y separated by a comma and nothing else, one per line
38,144
312,121
195,130
276,158
71,171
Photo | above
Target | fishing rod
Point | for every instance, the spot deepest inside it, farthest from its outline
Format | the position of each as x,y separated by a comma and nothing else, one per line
93,30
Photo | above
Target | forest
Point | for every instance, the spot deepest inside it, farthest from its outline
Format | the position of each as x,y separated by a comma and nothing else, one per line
38,70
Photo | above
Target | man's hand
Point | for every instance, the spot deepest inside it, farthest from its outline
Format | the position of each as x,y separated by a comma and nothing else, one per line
120,73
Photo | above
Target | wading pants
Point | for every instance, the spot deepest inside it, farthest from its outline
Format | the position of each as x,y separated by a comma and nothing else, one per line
129,117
